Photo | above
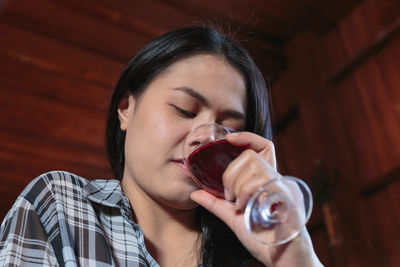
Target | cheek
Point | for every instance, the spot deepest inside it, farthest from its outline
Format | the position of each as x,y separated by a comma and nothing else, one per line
160,127
153,134
169,133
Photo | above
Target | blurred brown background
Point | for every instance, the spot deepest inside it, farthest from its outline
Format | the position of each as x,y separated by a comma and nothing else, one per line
335,74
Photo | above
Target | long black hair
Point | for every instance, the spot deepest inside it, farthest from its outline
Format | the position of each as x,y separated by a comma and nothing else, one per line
220,246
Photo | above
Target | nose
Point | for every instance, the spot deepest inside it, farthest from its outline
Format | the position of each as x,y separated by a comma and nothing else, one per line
202,135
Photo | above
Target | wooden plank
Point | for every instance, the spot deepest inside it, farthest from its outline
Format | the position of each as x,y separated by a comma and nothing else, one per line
355,119
363,53
3,4
76,35
54,56
33,115
334,54
244,14
372,123
287,11
148,18
380,14
130,15
281,125
323,16
303,53
29,149
380,99
394,196
353,102
389,65
386,228
348,158
359,126
369,84
41,155
284,95
27,78
48,18
355,32
382,183
381,115
295,151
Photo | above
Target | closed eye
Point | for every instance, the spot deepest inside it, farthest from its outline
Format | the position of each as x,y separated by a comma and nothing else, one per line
184,113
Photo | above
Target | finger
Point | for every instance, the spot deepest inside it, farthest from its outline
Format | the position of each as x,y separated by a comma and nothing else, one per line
237,172
233,172
244,175
245,191
250,181
221,208
248,139
255,142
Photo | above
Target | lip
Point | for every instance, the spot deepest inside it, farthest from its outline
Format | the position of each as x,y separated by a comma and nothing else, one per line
180,163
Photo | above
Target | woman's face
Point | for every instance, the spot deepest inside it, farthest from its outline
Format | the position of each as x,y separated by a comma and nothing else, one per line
195,90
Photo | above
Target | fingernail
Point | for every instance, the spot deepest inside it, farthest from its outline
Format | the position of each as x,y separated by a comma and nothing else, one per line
227,195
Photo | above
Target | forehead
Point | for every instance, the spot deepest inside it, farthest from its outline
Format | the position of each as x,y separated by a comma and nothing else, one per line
210,74
204,63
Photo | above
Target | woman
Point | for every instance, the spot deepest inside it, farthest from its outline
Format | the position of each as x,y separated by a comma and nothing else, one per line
156,214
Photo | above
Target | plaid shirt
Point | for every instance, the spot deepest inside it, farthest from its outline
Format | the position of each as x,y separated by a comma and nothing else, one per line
61,219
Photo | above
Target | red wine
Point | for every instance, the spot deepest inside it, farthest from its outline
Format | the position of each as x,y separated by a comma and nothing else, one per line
209,162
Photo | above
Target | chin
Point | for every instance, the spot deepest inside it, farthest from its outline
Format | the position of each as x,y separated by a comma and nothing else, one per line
176,192
182,201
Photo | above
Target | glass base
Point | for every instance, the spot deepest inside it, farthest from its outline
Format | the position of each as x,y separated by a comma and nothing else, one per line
279,210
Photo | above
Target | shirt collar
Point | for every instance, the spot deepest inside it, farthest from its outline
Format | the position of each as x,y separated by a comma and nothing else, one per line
106,192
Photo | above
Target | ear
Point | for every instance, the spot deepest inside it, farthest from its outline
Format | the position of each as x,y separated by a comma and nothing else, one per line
125,108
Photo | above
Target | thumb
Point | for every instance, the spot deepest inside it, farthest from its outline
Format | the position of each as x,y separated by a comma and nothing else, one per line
223,209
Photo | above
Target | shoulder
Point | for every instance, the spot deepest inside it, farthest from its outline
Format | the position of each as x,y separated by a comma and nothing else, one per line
60,178
70,191
54,186
54,183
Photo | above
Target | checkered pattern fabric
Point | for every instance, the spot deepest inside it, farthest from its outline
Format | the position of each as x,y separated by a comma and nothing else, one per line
61,219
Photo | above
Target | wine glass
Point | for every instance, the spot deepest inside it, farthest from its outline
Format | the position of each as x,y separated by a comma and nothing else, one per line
275,213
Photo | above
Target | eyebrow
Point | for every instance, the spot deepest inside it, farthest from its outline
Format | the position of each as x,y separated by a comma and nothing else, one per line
191,92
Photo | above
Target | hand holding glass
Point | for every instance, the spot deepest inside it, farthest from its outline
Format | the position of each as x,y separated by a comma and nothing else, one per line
275,213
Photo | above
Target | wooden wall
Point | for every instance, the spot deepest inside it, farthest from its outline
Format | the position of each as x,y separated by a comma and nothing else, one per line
54,93
339,107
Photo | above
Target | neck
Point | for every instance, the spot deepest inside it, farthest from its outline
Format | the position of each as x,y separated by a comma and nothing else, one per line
162,224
